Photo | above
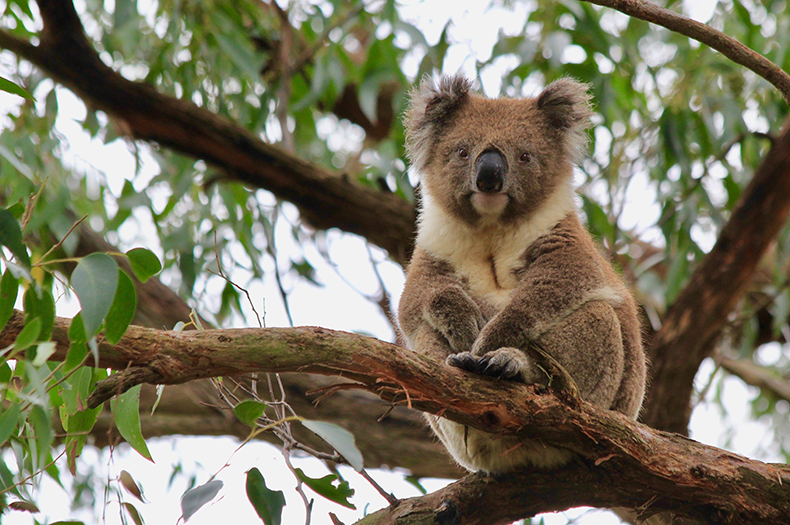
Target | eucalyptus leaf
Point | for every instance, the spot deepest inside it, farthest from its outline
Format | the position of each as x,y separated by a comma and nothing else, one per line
9,87
126,413
9,421
195,498
341,440
95,280
145,264
11,237
268,504
9,288
325,487
122,310
249,411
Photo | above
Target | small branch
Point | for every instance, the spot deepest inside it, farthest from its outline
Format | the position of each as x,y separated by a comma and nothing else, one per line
759,376
726,45
325,199
120,382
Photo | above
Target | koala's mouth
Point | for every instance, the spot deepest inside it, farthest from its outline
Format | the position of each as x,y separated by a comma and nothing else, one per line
489,203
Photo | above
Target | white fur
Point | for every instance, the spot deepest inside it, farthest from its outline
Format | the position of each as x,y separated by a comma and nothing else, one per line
470,249
477,450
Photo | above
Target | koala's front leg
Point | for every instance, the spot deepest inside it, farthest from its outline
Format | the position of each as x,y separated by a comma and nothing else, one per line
497,352
454,314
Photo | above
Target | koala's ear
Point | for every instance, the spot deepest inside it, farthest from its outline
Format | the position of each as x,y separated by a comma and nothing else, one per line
430,108
566,104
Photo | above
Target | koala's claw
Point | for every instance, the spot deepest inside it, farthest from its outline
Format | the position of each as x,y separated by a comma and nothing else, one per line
505,363
464,361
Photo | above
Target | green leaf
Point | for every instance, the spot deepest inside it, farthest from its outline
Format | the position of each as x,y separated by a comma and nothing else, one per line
249,411
341,440
415,481
24,506
9,420
122,310
266,502
9,288
43,433
131,510
9,87
144,263
11,237
39,303
126,412
28,335
95,280
325,488
195,498
79,348
131,486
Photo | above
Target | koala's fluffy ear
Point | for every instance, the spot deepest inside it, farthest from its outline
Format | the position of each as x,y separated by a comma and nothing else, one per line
566,104
430,109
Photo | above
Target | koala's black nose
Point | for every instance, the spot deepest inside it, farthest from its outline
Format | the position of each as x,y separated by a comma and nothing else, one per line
491,168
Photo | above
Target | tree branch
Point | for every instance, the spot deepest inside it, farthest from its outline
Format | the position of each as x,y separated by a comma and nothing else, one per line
726,45
759,376
325,199
621,463
694,322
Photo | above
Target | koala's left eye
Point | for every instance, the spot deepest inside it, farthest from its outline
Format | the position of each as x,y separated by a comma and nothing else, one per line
525,157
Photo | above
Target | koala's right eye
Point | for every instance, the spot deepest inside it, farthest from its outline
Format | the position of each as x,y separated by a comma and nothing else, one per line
463,153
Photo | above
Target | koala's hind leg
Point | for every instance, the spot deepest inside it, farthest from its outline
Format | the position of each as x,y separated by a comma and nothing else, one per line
588,344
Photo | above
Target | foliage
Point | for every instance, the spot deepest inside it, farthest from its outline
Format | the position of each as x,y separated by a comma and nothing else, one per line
678,133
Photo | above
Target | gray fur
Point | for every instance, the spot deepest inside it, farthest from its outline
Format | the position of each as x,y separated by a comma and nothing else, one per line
498,270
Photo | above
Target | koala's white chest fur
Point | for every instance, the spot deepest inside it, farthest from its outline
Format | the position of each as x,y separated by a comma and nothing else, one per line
487,255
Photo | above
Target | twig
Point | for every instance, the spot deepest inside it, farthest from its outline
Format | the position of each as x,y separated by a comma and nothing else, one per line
726,45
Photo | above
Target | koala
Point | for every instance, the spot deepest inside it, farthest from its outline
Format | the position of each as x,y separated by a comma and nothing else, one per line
502,264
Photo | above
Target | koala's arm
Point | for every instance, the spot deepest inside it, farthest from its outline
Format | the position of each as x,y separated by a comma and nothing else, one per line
436,314
563,271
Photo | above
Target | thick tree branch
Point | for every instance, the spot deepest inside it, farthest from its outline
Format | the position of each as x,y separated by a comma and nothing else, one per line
694,322
329,201
726,45
622,463
325,200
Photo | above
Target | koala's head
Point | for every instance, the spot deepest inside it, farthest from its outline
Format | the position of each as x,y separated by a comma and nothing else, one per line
501,158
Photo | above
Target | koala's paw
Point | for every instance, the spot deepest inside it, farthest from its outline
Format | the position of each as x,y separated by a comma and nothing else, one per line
503,363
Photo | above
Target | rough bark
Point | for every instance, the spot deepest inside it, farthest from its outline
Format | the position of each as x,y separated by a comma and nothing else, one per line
620,463
329,200
194,408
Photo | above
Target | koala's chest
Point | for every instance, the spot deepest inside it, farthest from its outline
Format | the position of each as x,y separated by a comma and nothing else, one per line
490,275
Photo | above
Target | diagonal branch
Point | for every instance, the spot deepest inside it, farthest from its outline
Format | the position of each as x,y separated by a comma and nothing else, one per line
620,463
726,45
325,199
695,321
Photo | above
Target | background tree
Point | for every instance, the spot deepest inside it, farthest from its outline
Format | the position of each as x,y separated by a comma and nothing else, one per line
268,143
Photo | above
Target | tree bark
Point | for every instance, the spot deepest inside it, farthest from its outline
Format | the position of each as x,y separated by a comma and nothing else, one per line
620,463
328,200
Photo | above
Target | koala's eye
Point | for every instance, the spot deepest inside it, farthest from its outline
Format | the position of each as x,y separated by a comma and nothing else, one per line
525,157
463,153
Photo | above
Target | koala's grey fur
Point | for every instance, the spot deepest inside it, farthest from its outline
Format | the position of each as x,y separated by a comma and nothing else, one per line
502,261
